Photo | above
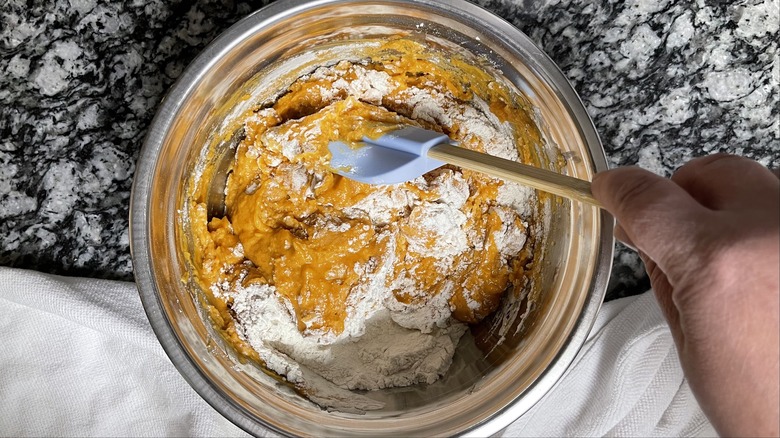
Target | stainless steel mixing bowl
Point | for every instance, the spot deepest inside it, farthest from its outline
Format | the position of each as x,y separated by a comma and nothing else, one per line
482,393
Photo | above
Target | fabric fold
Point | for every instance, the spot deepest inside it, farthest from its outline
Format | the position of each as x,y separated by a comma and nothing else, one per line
80,359
626,381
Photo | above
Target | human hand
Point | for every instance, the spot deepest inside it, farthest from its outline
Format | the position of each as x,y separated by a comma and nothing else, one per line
710,241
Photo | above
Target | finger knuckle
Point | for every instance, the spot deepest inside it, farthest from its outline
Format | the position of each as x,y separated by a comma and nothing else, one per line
721,161
709,166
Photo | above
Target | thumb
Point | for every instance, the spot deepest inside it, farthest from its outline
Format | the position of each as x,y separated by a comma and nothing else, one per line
658,216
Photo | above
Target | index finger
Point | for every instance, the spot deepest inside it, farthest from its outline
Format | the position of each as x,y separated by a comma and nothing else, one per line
722,182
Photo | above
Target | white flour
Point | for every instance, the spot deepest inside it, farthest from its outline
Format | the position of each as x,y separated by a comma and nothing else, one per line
385,342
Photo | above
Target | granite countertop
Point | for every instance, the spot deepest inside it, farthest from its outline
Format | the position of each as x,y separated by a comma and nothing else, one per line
664,80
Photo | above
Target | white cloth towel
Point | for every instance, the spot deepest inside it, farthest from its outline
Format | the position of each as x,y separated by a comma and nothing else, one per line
80,359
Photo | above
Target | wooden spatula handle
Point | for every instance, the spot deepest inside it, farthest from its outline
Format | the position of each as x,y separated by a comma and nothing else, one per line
541,179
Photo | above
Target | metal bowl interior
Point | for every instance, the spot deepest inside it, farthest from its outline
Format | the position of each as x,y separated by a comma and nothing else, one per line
482,393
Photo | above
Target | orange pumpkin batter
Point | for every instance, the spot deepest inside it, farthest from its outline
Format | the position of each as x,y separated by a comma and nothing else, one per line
293,224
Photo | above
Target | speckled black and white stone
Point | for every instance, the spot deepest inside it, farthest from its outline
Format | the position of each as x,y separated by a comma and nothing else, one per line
664,80
79,83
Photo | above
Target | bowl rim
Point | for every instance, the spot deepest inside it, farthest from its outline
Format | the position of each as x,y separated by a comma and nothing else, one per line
140,246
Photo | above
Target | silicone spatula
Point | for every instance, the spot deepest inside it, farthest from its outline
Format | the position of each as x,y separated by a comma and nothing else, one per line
407,153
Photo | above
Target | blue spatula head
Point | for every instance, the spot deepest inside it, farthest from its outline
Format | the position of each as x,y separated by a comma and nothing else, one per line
395,157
